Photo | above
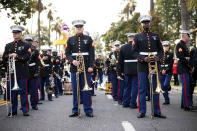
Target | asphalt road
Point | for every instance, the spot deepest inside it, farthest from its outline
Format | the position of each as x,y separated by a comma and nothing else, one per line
108,116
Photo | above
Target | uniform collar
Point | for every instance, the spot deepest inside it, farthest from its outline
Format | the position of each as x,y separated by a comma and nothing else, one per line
182,41
145,32
79,35
16,42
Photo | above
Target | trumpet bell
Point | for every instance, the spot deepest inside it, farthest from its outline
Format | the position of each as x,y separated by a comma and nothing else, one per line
87,88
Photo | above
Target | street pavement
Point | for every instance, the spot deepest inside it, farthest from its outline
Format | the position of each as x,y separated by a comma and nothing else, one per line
108,116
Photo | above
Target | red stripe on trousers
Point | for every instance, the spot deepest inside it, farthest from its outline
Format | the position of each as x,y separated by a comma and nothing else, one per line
26,97
159,105
185,89
118,91
138,94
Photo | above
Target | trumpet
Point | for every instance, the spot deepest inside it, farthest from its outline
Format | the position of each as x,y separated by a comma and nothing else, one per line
12,69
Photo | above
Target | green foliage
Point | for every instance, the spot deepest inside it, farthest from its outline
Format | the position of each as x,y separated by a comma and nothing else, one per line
166,22
44,37
18,10
170,16
192,4
56,26
118,30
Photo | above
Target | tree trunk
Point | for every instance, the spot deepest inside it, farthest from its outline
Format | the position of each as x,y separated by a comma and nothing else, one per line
49,32
39,11
184,15
185,18
151,5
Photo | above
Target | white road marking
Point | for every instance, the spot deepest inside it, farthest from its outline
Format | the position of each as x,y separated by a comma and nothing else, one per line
109,97
128,126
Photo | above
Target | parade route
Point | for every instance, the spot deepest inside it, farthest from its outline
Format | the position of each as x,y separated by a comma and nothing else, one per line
108,116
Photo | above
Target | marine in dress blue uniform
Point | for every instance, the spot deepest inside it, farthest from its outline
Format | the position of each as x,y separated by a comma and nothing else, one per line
144,43
113,72
33,65
45,73
127,67
165,74
56,65
99,67
21,52
184,69
84,44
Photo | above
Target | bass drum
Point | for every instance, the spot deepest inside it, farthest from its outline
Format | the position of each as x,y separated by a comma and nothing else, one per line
68,88
108,88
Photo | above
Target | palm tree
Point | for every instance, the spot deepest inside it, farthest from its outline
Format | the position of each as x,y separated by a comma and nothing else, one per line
57,27
184,15
129,8
151,5
50,18
39,9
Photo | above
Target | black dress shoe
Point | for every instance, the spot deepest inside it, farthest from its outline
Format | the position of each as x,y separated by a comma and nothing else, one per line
125,106
94,95
189,108
81,102
41,99
89,115
13,114
35,108
73,115
25,114
141,115
50,100
56,96
169,88
166,103
160,116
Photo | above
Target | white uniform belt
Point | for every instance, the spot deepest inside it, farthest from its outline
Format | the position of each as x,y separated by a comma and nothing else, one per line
130,60
83,53
164,65
32,64
46,64
187,58
146,53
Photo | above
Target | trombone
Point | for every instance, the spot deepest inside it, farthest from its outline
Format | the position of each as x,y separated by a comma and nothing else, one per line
153,70
80,69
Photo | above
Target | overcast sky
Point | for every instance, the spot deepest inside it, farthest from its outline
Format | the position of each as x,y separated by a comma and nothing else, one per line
99,14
